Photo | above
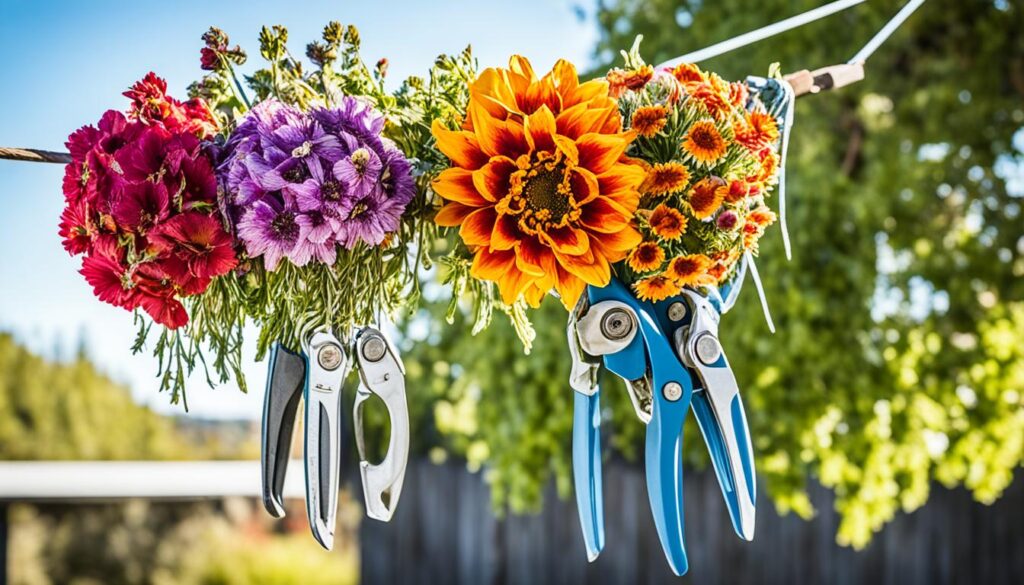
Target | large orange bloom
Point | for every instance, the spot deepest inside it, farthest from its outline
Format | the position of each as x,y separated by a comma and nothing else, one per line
539,185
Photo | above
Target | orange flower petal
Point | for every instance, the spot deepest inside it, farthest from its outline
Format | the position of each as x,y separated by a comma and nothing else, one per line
452,215
505,234
599,152
540,130
604,216
456,184
498,137
477,227
565,78
460,146
569,288
492,266
594,270
491,90
491,180
584,185
532,257
568,240
582,118
615,245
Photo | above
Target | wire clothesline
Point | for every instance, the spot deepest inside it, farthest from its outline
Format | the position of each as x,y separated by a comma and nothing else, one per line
803,82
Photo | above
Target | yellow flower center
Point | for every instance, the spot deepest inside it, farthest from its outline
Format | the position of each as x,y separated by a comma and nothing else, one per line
541,193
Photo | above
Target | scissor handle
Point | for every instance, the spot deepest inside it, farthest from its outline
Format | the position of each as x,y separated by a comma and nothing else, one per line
286,374
382,373
586,469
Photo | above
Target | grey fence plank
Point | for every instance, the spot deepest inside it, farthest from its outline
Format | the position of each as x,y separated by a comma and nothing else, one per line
445,532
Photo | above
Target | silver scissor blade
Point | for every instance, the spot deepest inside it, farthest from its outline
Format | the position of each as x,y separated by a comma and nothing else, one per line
285,376
381,373
327,367
720,413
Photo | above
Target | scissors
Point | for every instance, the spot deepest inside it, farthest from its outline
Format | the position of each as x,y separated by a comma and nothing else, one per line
671,359
315,376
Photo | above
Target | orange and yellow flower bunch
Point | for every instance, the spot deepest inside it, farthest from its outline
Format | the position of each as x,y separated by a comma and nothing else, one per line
657,177
710,152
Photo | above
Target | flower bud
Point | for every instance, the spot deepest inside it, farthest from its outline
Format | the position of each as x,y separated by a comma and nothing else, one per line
727,220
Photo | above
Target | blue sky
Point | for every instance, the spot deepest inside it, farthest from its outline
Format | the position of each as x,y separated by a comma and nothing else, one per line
66,62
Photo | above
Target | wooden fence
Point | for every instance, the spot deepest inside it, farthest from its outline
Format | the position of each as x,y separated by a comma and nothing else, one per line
444,532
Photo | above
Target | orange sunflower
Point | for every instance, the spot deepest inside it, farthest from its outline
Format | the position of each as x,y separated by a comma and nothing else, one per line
649,120
690,270
665,178
646,257
707,196
667,222
539,185
704,143
656,288
757,130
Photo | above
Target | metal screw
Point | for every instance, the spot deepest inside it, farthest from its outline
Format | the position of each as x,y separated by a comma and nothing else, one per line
708,349
329,356
676,311
374,348
616,324
672,391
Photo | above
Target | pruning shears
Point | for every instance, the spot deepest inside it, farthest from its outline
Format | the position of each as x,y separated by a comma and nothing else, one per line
316,377
670,357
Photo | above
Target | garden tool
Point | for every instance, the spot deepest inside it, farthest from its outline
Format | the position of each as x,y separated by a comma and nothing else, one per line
669,355
316,376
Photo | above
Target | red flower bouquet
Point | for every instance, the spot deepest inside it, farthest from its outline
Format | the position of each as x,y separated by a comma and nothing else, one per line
141,204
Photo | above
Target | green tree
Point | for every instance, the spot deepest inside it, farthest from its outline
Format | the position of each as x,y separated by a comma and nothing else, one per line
51,410
900,353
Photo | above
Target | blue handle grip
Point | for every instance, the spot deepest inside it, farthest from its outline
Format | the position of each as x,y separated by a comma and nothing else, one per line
586,469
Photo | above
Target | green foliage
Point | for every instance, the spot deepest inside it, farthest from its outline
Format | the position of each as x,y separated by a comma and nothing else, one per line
71,411
141,542
899,353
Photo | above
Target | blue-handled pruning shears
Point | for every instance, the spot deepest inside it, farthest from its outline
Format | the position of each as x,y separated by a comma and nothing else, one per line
669,355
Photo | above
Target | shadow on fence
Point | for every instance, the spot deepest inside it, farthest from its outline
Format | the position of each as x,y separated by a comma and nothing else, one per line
444,532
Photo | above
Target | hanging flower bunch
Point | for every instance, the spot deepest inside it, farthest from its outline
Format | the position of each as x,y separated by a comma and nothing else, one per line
140,204
301,184
710,153
288,200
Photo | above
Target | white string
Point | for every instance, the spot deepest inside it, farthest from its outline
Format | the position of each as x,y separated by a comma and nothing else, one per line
763,33
886,32
760,291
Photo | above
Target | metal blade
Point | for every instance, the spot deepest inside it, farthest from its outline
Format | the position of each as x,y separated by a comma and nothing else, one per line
719,412
327,366
286,373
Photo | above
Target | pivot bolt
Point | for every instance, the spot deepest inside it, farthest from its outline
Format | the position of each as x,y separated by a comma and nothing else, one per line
374,348
672,391
329,356
708,349
676,311
616,324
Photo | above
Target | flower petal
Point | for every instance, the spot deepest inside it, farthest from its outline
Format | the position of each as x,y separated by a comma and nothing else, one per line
540,129
568,240
477,227
458,145
498,137
599,152
491,180
457,185
492,266
604,216
505,234
453,214
583,118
